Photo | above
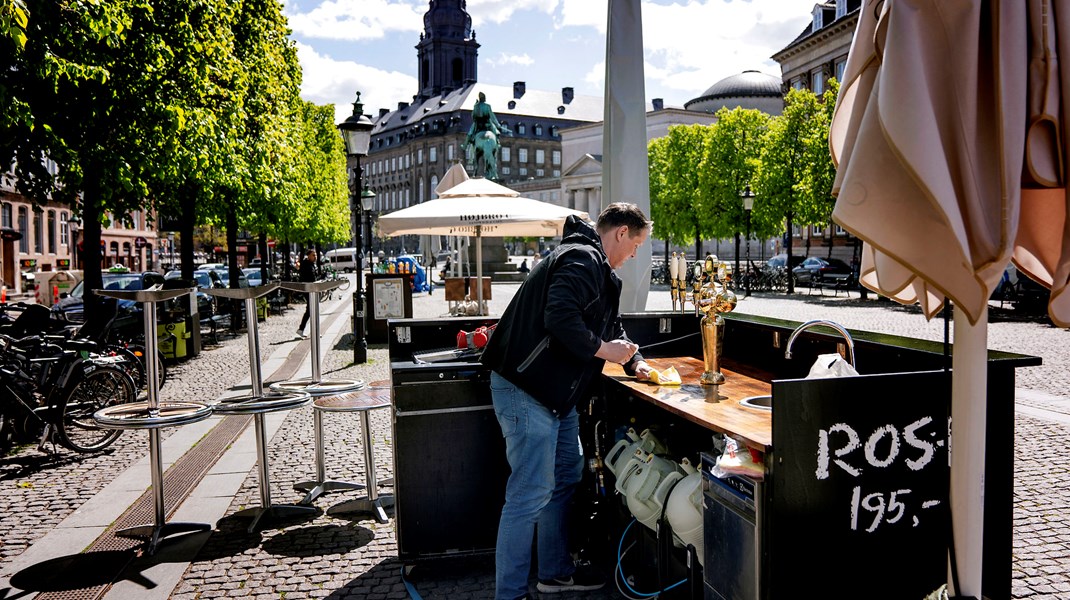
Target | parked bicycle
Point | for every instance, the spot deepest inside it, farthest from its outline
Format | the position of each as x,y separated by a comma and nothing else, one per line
330,274
50,387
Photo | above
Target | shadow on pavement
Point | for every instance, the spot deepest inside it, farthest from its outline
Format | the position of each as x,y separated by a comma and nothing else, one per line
75,572
319,540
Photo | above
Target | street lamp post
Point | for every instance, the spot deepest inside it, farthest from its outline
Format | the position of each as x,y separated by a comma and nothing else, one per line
357,134
748,205
367,204
75,227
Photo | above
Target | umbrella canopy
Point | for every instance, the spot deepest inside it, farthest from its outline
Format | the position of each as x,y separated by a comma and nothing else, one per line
455,175
478,207
950,138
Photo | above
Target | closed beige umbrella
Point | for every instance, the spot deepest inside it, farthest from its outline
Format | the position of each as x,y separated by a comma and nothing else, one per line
943,107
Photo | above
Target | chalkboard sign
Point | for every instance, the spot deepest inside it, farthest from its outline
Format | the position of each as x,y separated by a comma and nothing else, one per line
861,485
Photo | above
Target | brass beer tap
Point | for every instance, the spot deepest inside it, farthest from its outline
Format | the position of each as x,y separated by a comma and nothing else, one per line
713,298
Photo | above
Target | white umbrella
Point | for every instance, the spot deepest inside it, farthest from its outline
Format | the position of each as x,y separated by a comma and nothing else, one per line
942,109
476,207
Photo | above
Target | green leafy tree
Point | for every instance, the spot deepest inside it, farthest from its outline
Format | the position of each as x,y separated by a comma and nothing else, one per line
730,159
679,206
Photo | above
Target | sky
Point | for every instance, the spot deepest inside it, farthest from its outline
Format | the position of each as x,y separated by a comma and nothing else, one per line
369,45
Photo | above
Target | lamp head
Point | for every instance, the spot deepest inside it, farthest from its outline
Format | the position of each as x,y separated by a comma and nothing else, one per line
357,130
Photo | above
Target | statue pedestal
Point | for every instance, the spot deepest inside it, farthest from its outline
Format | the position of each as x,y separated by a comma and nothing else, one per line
496,263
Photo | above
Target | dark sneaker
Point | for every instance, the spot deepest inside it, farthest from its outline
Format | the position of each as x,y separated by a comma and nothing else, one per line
585,579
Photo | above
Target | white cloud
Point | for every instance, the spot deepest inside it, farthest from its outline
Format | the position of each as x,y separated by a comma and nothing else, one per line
510,59
329,81
583,13
356,19
691,46
500,11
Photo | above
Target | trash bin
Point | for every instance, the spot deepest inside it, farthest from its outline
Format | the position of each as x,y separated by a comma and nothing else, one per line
172,339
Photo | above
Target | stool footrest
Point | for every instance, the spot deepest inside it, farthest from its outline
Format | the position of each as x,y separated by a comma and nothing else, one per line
154,534
376,507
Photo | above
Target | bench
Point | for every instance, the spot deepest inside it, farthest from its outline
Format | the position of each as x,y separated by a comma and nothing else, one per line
210,326
836,282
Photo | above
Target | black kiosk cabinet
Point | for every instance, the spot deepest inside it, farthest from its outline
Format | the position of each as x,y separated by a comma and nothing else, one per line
449,455
854,495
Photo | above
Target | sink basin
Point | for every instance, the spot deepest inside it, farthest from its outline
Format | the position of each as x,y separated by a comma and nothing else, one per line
758,402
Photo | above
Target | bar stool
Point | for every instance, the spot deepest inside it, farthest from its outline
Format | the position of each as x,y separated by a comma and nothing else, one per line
258,404
362,401
153,415
315,385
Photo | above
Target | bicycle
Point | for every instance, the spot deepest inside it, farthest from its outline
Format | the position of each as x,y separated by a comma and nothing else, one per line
330,274
57,385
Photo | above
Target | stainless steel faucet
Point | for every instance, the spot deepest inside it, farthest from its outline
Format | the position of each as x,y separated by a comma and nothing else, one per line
839,329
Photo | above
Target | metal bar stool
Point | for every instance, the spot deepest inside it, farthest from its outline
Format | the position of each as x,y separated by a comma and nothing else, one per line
258,404
315,385
153,415
362,401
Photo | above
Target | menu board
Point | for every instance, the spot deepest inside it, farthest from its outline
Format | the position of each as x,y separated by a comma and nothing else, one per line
389,299
860,501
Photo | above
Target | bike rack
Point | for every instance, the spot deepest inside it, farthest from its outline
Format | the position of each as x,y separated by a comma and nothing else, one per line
315,385
153,415
258,404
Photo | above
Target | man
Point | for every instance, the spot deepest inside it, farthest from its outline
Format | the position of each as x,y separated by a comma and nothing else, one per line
552,340
306,272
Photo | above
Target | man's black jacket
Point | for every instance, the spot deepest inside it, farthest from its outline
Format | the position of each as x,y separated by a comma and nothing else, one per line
569,303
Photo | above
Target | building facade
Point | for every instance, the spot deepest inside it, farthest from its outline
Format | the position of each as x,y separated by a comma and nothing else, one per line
816,55
414,144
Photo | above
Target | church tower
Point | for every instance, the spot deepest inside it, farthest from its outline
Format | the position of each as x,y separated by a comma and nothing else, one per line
447,50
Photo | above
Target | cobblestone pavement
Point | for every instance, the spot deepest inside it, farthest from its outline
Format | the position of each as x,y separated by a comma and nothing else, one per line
335,557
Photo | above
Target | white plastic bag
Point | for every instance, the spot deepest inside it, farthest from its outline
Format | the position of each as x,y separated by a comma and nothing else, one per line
831,365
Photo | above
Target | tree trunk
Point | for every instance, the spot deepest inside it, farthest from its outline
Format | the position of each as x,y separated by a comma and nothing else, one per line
187,220
266,261
91,255
232,263
737,271
787,248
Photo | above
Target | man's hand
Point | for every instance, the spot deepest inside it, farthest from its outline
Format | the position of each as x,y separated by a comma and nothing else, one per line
642,371
618,351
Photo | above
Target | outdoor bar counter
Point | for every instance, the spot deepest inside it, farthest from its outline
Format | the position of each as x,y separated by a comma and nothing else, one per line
854,493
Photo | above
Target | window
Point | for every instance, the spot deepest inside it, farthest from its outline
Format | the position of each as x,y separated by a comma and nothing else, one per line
5,215
420,191
817,78
523,171
537,129
540,156
522,155
434,184
64,230
540,172
419,156
841,64
432,154
555,157
553,196
38,233
839,231
506,170
51,232
521,129
449,151
24,229
394,164
506,154
797,83
557,173
470,153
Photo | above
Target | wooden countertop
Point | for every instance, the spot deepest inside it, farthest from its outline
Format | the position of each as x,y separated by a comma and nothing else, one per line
714,407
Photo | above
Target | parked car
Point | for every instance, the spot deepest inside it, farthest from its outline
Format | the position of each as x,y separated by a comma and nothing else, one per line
781,260
253,276
204,280
70,308
814,268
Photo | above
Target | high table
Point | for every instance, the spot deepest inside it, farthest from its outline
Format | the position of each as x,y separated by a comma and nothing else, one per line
258,404
315,385
153,415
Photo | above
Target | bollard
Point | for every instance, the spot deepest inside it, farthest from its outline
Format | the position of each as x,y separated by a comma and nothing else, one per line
3,294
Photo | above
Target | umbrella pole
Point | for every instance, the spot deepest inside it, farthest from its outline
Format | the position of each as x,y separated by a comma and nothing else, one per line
479,267
969,408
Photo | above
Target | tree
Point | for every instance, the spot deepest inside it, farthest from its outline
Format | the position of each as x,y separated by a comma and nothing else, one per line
730,159
788,175
678,203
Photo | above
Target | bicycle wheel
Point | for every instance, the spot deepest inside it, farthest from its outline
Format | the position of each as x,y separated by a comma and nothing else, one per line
345,284
138,351
104,386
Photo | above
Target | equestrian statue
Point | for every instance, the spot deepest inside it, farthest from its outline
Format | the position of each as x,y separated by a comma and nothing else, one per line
483,137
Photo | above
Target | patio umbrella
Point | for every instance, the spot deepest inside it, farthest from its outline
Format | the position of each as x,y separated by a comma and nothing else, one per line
454,175
950,138
476,207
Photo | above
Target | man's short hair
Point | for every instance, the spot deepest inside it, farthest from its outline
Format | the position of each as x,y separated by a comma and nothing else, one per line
622,213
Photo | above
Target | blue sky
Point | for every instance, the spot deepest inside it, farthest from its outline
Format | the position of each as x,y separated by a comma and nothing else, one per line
369,45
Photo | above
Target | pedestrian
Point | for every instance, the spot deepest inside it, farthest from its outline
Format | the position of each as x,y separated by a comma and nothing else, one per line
523,268
306,272
552,340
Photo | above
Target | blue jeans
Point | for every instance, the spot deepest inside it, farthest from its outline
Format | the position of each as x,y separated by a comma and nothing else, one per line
546,459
